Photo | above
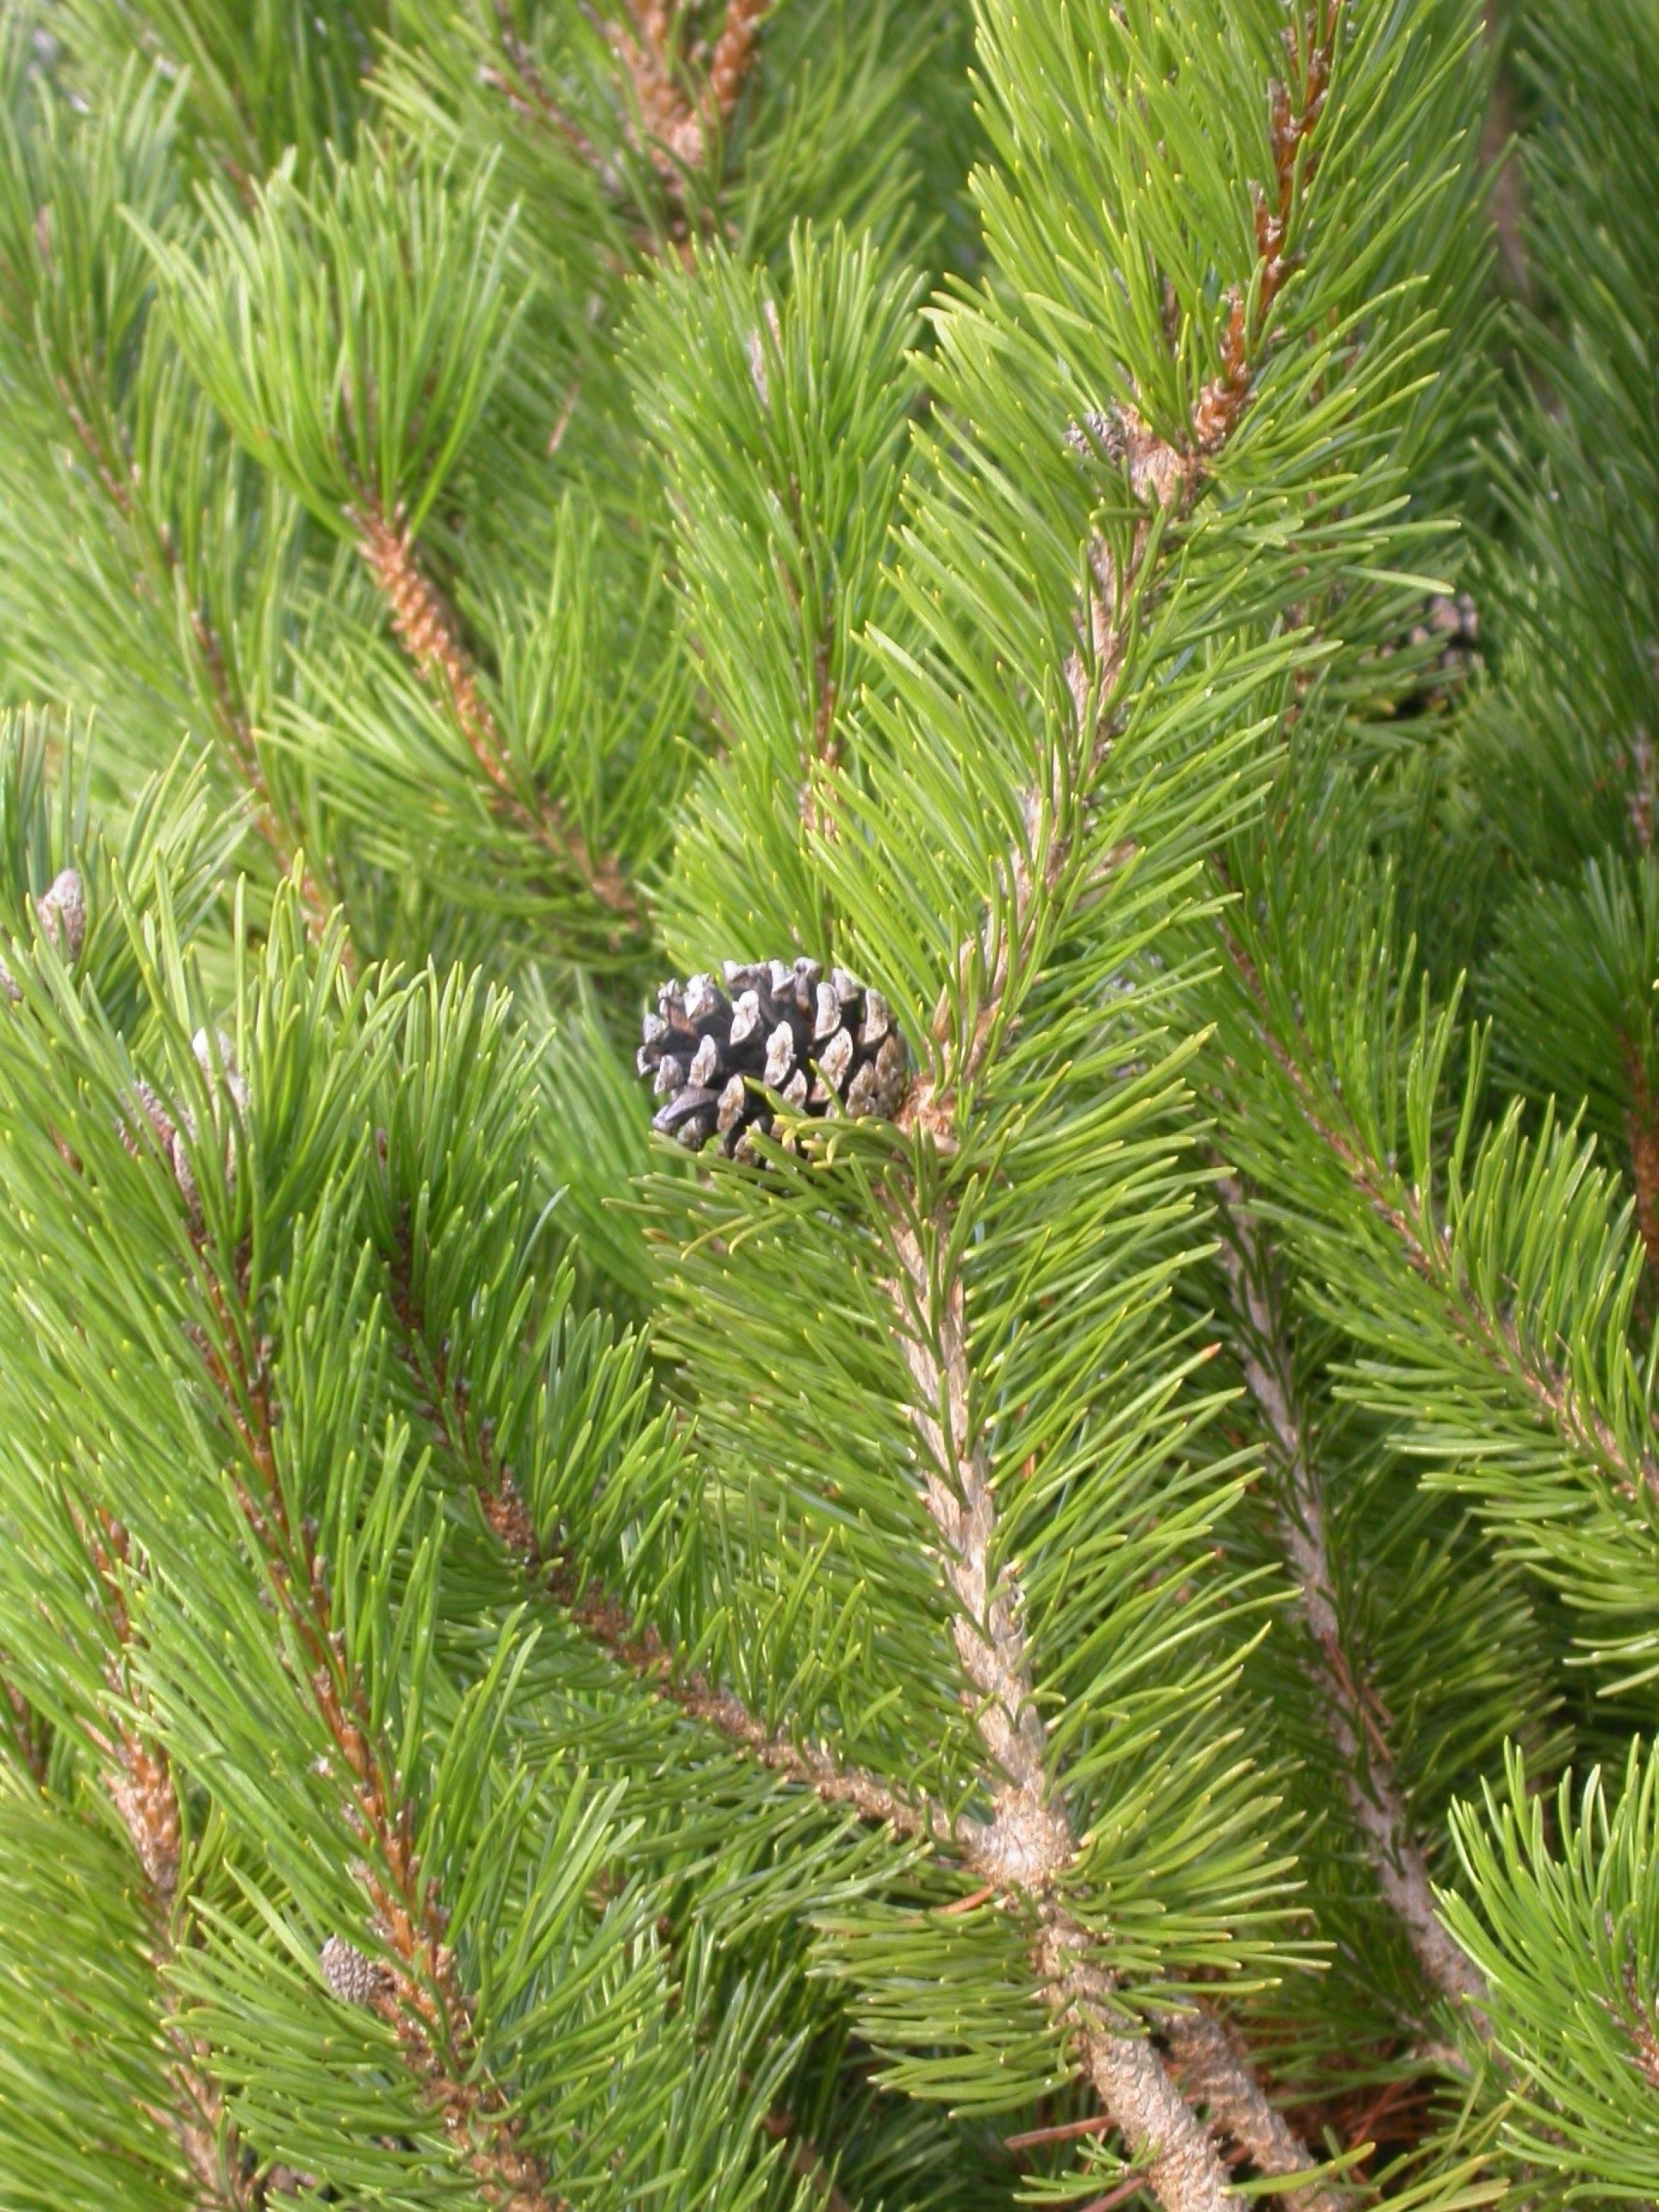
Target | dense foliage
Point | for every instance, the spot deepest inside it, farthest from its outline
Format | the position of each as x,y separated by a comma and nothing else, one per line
1066,1615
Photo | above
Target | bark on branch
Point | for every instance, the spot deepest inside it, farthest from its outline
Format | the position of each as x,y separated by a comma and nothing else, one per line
1030,1840
1353,1712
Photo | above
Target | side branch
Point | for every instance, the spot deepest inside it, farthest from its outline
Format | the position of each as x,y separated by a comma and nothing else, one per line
425,631
419,1995
640,1649
138,1775
1353,1714
643,1652
153,547
1550,1392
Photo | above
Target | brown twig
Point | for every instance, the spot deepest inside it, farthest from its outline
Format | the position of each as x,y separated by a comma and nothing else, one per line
538,102
427,633
677,120
734,55
30,1737
1097,2123
681,103
1113,2197
806,2161
138,1775
824,749
1293,114
1499,156
1641,2024
1642,1133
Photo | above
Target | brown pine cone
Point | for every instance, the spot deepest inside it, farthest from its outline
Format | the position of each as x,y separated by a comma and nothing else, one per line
821,1046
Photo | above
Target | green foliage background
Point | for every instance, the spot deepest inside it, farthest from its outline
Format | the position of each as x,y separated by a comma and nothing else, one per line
1093,1641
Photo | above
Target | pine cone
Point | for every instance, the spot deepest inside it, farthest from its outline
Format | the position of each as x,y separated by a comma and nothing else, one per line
350,1976
1457,623
1454,625
821,1046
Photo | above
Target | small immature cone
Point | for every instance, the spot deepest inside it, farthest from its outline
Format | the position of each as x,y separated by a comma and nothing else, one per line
61,912
353,1978
823,1047
175,1127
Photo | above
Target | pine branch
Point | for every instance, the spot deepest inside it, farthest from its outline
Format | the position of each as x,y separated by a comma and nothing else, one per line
421,1996
1166,479
160,577
1029,1839
1555,1906
1551,1392
733,55
427,632
138,1776
1030,1842
1352,1711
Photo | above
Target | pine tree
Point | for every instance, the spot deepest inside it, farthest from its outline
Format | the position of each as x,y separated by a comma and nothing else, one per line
831,1104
